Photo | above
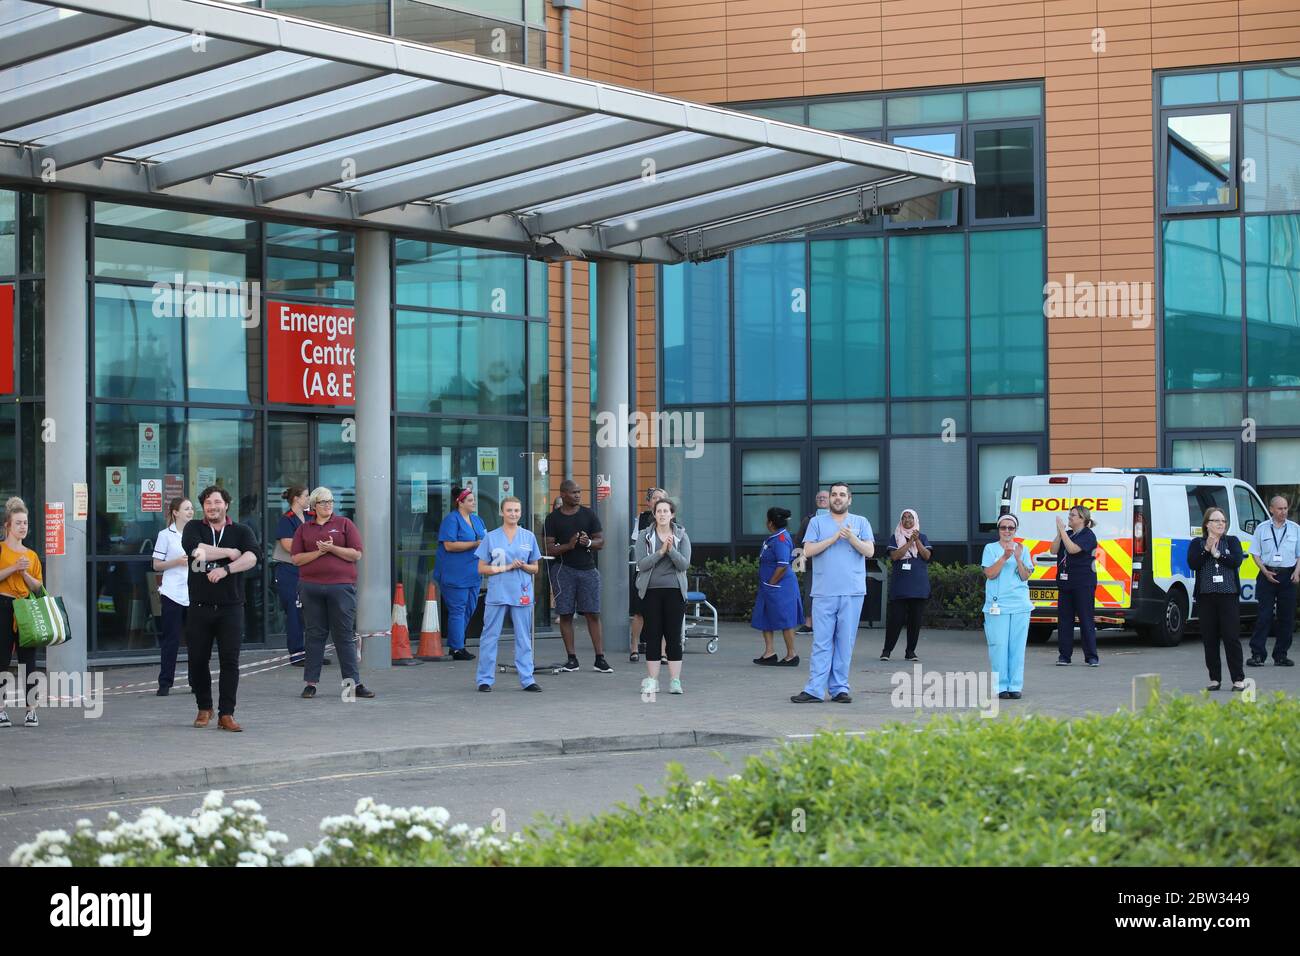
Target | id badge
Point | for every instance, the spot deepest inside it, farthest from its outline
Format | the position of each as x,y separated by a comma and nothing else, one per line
1064,576
906,565
1217,579
994,609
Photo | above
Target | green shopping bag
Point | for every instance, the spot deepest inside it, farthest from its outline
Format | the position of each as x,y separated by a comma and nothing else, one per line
42,620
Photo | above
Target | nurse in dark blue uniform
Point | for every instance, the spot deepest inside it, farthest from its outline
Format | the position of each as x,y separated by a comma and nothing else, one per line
1076,585
778,606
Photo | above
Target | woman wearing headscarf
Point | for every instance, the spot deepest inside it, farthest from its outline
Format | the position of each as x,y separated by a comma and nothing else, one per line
909,584
777,606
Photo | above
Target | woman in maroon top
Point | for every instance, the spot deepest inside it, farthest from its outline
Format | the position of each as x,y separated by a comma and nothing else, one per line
326,552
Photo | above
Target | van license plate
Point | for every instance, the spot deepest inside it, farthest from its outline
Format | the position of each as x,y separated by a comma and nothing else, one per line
1042,593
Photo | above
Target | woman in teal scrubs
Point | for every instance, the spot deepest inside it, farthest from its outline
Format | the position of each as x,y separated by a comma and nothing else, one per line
1007,567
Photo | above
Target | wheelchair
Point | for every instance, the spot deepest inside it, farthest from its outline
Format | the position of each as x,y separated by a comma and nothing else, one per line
700,619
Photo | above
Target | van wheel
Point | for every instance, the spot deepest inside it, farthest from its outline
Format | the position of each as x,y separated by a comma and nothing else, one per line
1040,633
1173,622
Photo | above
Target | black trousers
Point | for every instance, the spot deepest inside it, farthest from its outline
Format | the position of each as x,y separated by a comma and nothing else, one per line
1281,595
902,611
1221,624
1071,602
662,609
206,624
8,641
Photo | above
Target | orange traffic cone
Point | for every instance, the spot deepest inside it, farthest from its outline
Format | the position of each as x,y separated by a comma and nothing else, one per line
401,635
430,630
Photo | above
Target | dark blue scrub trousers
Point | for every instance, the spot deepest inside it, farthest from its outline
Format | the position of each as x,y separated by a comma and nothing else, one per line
1283,593
1071,602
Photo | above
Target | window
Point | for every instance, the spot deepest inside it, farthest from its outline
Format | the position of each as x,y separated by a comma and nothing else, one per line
1203,410
1273,301
1249,514
997,104
771,304
369,15
701,489
457,364
1189,88
1200,162
460,30
306,261
1275,408
926,108
936,210
769,479
1275,467
157,245
1202,293
1006,312
927,319
859,468
1271,147
439,276
1202,497
930,476
1216,454
1269,83
696,332
1006,173
764,421
996,464
8,232
848,319
846,114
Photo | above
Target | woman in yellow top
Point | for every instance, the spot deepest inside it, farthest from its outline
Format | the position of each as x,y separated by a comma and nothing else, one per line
20,575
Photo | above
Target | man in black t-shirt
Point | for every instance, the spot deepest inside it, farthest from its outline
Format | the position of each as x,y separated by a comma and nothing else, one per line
220,551
572,537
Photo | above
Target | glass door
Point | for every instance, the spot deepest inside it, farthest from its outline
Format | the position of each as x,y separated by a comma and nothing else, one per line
307,450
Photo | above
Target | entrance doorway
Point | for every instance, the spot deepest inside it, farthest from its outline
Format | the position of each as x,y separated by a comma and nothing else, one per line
308,450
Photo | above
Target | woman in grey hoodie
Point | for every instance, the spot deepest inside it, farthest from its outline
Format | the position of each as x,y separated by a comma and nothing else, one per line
663,553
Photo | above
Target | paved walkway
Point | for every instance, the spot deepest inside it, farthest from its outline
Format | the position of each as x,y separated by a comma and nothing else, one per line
143,743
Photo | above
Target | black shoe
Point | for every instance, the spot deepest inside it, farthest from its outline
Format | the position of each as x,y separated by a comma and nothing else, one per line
1257,661
571,665
484,688
1015,694
300,662
884,657
770,659
534,688
634,657
309,692
792,662
842,698
803,697
601,665
363,692
804,629
1284,662
913,659
1004,695
163,690
460,654
1062,663
1094,663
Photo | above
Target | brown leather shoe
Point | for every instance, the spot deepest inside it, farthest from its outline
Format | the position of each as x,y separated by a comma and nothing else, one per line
227,722
204,717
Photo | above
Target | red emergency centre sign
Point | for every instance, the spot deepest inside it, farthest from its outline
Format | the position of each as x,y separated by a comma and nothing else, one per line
6,338
311,358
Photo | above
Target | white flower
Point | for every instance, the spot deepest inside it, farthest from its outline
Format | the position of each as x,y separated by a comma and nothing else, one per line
84,824
300,857
1068,832
419,833
1017,770
218,845
345,843
247,806
213,800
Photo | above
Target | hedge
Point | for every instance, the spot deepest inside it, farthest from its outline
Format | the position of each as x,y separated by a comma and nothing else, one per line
956,591
1189,782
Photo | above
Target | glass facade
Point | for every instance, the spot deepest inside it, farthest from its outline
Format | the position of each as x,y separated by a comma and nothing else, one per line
876,349
1230,280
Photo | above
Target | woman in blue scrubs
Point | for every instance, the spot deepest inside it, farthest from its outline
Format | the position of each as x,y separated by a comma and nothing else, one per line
1007,567
456,567
509,556
777,606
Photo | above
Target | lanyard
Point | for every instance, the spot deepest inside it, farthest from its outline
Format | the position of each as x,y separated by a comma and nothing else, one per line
1272,529
216,538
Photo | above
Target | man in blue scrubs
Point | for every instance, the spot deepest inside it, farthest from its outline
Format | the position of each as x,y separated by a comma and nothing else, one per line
841,543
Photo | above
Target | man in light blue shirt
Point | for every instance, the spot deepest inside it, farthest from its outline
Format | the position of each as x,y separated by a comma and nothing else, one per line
841,543
1276,549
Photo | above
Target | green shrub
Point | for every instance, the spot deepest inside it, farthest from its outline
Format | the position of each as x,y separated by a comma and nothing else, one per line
1184,783
732,587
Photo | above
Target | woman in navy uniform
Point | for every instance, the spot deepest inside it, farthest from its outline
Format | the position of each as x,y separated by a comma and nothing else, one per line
1076,585
778,606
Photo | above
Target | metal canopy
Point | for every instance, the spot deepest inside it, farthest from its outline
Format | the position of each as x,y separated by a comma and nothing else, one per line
201,103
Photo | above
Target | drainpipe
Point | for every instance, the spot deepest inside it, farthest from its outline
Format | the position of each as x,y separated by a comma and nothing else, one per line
564,6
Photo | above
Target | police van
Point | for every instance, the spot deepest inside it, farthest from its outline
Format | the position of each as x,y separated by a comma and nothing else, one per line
1145,519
